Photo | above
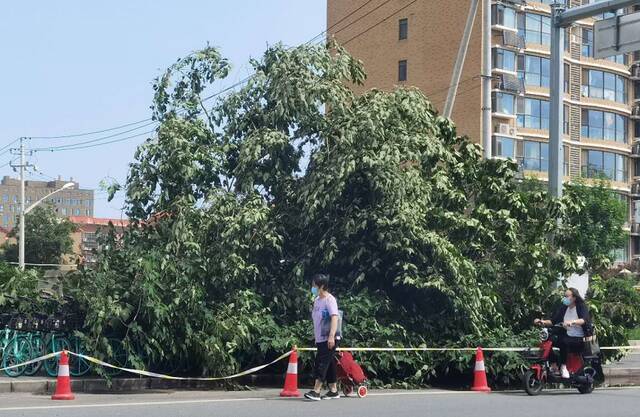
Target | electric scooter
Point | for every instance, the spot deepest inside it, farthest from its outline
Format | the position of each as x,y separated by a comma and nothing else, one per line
582,369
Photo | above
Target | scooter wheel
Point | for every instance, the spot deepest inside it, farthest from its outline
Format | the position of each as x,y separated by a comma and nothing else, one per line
362,391
532,385
586,389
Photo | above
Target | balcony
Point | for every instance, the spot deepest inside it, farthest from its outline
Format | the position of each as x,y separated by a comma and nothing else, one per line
635,150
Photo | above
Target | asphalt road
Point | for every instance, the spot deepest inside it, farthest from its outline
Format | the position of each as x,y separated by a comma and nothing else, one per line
265,403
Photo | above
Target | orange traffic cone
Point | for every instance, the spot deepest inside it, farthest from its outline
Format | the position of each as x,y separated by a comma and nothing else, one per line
63,383
291,381
479,374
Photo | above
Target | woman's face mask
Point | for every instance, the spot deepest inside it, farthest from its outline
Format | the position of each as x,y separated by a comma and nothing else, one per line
566,300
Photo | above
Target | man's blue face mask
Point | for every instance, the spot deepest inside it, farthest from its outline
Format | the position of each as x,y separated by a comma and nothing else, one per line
314,291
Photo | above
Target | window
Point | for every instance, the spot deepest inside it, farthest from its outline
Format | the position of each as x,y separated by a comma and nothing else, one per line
597,124
503,16
636,130
504,147
604,15
1,208
618,59
565,120
535,28
402,70
87,213
533,113
5,219
587,42
536,156
63,210
87,203
503,103
15,198
5,198
620,255
604,164
403,28
504,59
534,70
76,212
567,77
604,85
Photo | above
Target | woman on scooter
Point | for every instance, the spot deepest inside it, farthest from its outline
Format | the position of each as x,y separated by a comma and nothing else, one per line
575,318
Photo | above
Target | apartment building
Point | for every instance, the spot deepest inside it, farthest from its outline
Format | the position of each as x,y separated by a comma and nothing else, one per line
414,43
72,201
85,238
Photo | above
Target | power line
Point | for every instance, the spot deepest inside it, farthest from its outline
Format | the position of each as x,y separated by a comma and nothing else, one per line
347,16
379,23
73,148
95,132
98,139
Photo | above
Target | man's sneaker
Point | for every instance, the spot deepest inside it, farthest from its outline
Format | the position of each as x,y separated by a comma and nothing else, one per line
313,396
331,395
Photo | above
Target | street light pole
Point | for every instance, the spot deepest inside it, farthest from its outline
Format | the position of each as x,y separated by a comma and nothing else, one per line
556,115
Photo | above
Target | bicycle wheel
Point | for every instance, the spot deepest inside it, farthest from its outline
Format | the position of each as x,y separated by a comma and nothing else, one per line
18,350
117,356
37,349
55,344
77,366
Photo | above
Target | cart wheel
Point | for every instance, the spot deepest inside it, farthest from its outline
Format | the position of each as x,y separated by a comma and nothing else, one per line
362,391
347,389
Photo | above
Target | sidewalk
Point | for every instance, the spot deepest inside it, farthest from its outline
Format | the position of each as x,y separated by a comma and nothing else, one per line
626,371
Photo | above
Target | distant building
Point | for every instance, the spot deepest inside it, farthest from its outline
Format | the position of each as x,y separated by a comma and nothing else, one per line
85,238
70,202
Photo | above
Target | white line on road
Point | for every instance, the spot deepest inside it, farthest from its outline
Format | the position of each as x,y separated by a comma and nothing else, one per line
232,400
134,404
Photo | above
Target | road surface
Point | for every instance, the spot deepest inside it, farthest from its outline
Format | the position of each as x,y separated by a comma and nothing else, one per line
265,403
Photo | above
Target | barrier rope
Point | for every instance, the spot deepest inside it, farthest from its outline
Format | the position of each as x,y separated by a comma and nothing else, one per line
29,362
285,355
180,378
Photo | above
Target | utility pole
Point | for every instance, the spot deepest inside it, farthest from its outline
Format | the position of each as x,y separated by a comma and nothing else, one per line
21,242
23,164
560,20
486,79
459,64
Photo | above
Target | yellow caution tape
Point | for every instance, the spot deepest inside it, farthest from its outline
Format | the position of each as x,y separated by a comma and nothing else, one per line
163,376
29,362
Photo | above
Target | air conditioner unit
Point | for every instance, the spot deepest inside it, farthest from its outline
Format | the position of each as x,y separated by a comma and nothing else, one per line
503,129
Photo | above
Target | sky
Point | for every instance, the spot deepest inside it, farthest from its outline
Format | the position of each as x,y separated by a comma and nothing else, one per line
80,66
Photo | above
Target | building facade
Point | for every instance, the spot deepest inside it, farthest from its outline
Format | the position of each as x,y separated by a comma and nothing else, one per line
85,239
73,201
415,43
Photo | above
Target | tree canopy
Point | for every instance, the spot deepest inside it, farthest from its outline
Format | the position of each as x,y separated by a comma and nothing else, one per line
47,238
236,201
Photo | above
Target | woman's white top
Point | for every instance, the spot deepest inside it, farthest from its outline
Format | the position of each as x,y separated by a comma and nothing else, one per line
570,315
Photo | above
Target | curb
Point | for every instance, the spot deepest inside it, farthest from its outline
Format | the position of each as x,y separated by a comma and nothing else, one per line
99,385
